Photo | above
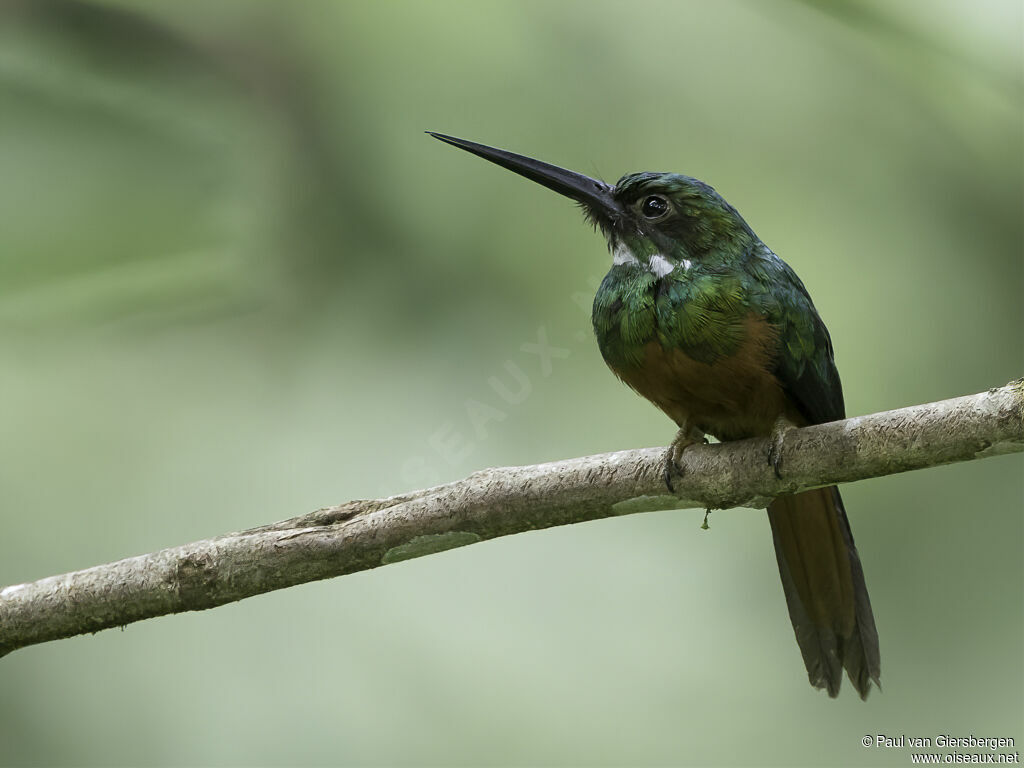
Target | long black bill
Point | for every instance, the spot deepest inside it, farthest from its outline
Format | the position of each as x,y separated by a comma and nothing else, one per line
594,194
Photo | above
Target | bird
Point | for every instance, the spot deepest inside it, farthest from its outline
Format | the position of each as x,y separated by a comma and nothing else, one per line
701,318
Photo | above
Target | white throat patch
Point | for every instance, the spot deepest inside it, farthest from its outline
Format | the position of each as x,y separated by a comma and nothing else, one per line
659,266
623,255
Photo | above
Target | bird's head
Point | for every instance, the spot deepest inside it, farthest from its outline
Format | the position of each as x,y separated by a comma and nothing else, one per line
644,216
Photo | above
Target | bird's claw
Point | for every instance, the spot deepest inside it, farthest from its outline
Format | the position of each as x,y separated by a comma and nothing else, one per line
673,456
780,429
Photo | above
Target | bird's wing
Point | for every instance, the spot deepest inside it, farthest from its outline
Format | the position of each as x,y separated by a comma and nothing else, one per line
806,367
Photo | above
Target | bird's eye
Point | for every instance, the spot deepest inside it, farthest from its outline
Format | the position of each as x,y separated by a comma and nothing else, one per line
654,207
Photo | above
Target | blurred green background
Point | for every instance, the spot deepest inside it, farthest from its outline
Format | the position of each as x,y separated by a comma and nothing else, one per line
237,283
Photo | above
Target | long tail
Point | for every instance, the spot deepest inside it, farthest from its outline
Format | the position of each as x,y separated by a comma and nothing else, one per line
825,591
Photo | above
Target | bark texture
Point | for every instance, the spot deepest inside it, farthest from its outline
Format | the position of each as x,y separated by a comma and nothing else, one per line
363,534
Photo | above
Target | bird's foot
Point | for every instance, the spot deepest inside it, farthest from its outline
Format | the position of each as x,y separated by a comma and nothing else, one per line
685,437
780,429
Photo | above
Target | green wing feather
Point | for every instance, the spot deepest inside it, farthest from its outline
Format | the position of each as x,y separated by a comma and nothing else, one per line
806,365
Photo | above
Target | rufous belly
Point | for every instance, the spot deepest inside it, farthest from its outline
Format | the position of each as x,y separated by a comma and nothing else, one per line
734,397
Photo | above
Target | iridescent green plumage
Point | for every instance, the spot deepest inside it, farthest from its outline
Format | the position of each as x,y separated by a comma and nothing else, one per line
721,273
704,320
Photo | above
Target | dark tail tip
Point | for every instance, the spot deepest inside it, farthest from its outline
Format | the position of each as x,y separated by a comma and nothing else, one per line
825,590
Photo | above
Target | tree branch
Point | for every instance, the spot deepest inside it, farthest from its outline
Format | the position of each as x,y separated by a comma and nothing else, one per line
364,534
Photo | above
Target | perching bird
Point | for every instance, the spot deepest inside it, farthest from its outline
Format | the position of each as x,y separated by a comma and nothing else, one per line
704,320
